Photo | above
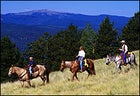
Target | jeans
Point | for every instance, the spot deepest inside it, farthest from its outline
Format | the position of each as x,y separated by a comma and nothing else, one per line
124,56
81,62
30,69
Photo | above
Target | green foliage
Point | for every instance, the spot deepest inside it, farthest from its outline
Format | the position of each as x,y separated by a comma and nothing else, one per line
107,39
9,55
88,40
38,49
130,32
63,46
52,50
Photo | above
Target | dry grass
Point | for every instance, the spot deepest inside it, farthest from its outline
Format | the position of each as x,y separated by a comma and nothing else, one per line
105,82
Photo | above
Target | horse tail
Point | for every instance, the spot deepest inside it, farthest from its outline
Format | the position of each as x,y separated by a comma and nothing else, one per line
93,67
134,59
47,73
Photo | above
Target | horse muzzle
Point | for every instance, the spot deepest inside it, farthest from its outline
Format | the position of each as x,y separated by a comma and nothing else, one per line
9,74
107,63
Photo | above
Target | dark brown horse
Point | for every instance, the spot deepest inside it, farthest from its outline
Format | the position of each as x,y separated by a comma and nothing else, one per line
23,74
75,67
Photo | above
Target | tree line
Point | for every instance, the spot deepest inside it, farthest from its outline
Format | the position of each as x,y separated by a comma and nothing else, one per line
64,45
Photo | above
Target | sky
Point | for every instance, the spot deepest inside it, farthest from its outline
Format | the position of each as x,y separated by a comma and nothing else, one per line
119,8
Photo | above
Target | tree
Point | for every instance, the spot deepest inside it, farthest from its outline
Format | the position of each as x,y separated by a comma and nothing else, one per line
51,50
9,55
63,46
130,32
107,39
88,40
38,49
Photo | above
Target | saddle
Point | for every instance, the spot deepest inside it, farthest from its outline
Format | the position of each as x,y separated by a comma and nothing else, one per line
34,68
127,56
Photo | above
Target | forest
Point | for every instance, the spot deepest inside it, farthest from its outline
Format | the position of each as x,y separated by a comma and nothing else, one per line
51,50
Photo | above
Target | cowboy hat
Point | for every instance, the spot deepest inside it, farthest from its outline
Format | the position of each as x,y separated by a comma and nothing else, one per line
122,41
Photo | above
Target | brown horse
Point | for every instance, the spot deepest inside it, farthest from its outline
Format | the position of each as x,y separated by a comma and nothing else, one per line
23,74
75,67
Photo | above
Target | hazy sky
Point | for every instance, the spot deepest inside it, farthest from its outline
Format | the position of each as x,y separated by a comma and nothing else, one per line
120,8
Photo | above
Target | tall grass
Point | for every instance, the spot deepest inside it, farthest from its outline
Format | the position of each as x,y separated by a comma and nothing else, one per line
105,82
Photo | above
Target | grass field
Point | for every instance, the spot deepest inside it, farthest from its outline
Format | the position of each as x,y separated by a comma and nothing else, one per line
105,82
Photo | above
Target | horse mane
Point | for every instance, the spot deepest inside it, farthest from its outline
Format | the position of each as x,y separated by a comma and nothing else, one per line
19,68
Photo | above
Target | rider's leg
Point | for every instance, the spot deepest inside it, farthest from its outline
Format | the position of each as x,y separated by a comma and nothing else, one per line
81,61
124,58
30,70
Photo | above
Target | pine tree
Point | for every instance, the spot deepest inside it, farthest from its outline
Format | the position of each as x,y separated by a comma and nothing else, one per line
63,46
107,39
51,50
88,40
9,55
38,49
130,32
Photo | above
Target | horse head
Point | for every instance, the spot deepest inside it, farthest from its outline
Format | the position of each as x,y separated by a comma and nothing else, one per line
11,71
62,67
107,60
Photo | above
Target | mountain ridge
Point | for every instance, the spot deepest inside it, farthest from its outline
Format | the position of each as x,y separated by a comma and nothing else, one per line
52,22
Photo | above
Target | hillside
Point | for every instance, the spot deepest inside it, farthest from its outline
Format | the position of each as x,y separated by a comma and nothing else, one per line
105,82
22,35
37,22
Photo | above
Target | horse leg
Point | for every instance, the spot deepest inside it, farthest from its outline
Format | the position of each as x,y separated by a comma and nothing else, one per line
22,83
76,76
120,68
73,76
117,67
29,83
88,73
43,79
132,64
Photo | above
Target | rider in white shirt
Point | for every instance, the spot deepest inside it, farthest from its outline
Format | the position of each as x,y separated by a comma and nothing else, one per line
124,50
81,55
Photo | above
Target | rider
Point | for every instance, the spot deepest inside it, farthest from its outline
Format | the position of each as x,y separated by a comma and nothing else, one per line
31,64
81,55
124,51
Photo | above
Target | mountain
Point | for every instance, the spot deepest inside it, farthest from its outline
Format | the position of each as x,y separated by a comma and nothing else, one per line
25,27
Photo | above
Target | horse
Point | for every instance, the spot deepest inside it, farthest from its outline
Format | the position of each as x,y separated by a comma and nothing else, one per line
131,59
23,74
75,67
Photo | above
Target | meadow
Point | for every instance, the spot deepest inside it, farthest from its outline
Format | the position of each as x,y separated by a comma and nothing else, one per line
105,82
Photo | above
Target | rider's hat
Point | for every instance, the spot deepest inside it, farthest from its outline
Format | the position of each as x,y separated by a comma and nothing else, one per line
30,57
122,41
